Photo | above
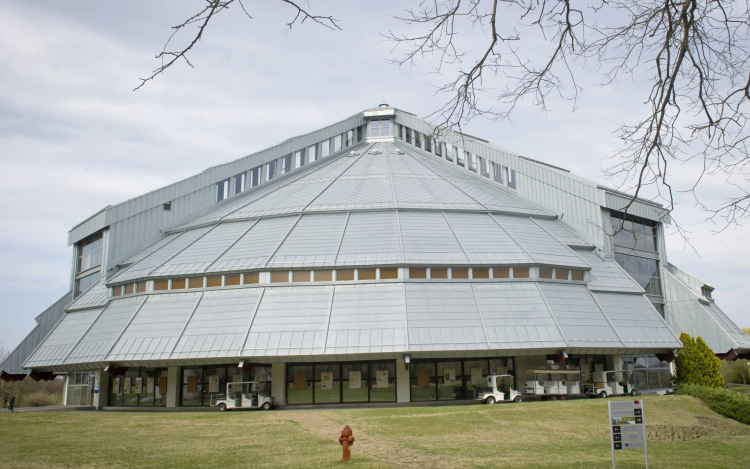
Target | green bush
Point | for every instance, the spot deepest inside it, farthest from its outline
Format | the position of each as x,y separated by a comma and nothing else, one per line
723,401
697,364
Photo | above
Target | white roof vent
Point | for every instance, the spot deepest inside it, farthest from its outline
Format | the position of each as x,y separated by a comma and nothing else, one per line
354,153
398,152
375,152
384,105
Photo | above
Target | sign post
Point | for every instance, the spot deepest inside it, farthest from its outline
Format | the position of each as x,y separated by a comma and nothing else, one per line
627,427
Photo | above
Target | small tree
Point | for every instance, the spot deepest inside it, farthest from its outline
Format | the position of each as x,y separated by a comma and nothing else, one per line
697,364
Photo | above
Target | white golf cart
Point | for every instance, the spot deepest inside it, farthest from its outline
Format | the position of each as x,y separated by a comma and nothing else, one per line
552,384
242,395
499,389
609,383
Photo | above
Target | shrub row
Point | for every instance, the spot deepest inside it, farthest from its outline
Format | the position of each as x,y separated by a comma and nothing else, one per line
723,401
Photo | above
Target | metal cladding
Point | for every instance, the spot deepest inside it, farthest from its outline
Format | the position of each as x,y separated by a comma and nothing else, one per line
387,209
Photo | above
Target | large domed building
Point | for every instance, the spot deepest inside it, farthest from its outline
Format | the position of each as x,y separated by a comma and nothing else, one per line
373,260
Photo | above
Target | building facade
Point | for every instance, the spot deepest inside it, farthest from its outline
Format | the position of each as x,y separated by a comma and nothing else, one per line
374,260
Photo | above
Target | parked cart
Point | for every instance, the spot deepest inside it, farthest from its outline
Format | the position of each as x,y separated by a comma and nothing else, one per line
243,395
609,383
552,384
499,389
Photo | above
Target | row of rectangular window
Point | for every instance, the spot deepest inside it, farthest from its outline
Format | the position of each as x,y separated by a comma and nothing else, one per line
348,275
482,166
494,272
268,171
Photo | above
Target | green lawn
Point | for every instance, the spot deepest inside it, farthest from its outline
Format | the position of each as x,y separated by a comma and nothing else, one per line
682,433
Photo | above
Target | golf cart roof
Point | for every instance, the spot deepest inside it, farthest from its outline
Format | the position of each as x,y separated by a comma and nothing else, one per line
546,372
497,376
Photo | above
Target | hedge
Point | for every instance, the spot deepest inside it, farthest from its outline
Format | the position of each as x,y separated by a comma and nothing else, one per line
723,401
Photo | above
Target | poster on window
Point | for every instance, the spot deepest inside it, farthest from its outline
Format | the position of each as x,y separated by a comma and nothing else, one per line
192,384
423,378
213,383
116,386
236,378
326,380
150,385
449,377
476,377
381,379
126,385
138,386
300,381
355,379
162,384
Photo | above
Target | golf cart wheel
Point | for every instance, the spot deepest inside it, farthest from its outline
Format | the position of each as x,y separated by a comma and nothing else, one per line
633,392
222,407
554,398
266,406
562,398
490,400
603,394
517,399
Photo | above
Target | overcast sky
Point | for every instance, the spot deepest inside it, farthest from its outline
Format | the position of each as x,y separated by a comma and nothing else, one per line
74,137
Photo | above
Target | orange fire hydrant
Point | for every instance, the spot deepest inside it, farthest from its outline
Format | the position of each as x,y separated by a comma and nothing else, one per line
346,440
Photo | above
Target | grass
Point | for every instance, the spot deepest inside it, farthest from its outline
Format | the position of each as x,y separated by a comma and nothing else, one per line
683,432
724,401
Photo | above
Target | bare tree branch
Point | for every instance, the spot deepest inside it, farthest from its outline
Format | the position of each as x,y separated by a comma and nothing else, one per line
694,54
201,20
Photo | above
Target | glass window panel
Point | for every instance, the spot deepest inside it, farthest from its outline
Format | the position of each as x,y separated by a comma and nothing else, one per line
323,275
299,159
140,287
195,282
325,148
423,387
501,272
665,378
161,285
160,389
239,183
470,385
312,153
349,138
472,161
459,273
438,272
252,277
407,131
438,148
345,275
212,282
299,388
448,152
520,272
561,274
428,144
327,391
484,167
459,157
214,382
512,179
367,274
231,280
380,391
480,273
577,275
357,388
501,366
653,379
117,291
447,372
417,272
641,379
301,276
178,284
279,277
388,274
545,272
130,397
337,143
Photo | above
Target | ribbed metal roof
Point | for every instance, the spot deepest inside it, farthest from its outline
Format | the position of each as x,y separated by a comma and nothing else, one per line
384,209
326,320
